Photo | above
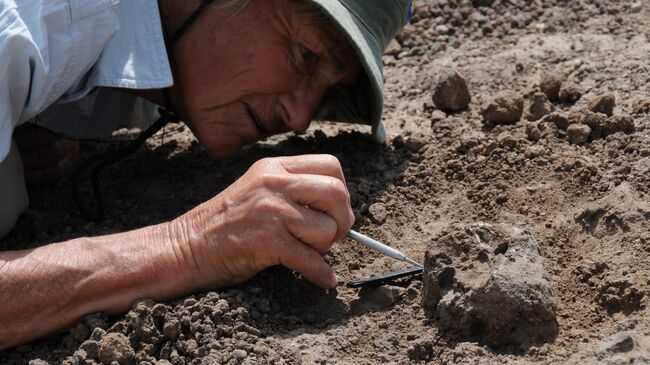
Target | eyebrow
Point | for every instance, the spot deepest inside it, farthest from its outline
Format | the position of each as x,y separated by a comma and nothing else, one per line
338,49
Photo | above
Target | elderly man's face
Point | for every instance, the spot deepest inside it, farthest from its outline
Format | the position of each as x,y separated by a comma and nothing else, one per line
262,70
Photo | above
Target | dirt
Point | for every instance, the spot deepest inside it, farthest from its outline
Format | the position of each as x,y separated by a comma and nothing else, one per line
577,179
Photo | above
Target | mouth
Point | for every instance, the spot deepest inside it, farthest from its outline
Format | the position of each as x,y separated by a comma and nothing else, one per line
256,120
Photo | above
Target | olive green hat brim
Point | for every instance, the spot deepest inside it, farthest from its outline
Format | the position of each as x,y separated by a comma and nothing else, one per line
369,52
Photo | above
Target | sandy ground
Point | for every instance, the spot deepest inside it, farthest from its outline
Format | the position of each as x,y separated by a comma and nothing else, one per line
586,202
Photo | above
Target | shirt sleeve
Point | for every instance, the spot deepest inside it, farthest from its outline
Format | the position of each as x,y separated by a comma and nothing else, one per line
19,65
47,49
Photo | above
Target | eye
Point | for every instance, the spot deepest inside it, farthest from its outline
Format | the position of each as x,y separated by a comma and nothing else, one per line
309,58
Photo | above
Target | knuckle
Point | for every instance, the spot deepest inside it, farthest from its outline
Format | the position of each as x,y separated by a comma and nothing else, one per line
337,190
331,160
273,181
263,164
269,206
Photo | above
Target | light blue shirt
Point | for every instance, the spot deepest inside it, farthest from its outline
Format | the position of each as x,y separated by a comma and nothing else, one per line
60,50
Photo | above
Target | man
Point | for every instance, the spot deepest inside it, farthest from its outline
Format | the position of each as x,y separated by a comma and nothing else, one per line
235,72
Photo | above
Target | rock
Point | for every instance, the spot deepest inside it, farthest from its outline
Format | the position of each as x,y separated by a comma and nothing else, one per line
550,85
539,107
619,123
533,133
451,93
617,343
92,349
578,133
146,330
97,334
80,356
421,350
636,7
116,347
570,92
414,143
641,107
377,213
507,107
393,48
619,294
239,354
384,295
171,328
557,118
487,283
621,210
603,104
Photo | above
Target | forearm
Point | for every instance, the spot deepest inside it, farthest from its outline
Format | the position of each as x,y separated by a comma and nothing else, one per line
48,288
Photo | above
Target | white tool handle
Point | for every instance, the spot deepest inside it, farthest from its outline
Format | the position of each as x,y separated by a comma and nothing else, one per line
377,246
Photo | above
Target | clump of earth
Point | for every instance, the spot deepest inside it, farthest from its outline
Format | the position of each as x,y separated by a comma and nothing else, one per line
487,283
570,166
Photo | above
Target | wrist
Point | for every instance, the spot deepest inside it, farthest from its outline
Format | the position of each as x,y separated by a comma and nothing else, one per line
183,240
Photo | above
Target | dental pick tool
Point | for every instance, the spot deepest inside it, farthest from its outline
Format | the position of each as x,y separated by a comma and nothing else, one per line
381,248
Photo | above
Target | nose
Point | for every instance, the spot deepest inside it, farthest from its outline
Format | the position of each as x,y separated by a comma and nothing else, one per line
298,106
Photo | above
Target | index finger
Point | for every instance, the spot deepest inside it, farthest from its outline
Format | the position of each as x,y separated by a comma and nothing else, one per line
322,164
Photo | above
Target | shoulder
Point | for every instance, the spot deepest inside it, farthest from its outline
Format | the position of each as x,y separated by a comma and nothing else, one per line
48,46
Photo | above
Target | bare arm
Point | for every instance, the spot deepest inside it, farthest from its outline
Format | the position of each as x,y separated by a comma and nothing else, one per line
49,288
283,211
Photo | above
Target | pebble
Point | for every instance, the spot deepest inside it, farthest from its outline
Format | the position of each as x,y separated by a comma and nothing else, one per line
506,107
451,93
239,354
539,107
115,347
172,328
557,118
378,213
603,104
384,295
636,7
393,48
570,92
578,133
617,343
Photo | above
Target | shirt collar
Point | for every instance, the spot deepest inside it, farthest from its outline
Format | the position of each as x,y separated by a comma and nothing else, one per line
136,56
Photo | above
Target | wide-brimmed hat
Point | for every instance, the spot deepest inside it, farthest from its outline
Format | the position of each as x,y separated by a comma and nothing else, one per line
369,26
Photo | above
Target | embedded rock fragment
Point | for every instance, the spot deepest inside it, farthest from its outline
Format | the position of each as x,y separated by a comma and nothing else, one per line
550,85
451,93
506,107
570,93
619,123
115,347
578,133
557,118
487,283
378,213
539,107
620,210
603,104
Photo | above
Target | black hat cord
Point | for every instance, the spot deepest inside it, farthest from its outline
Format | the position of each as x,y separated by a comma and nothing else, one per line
101,161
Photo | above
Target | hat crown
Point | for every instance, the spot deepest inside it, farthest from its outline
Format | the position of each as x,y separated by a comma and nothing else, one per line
383,19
